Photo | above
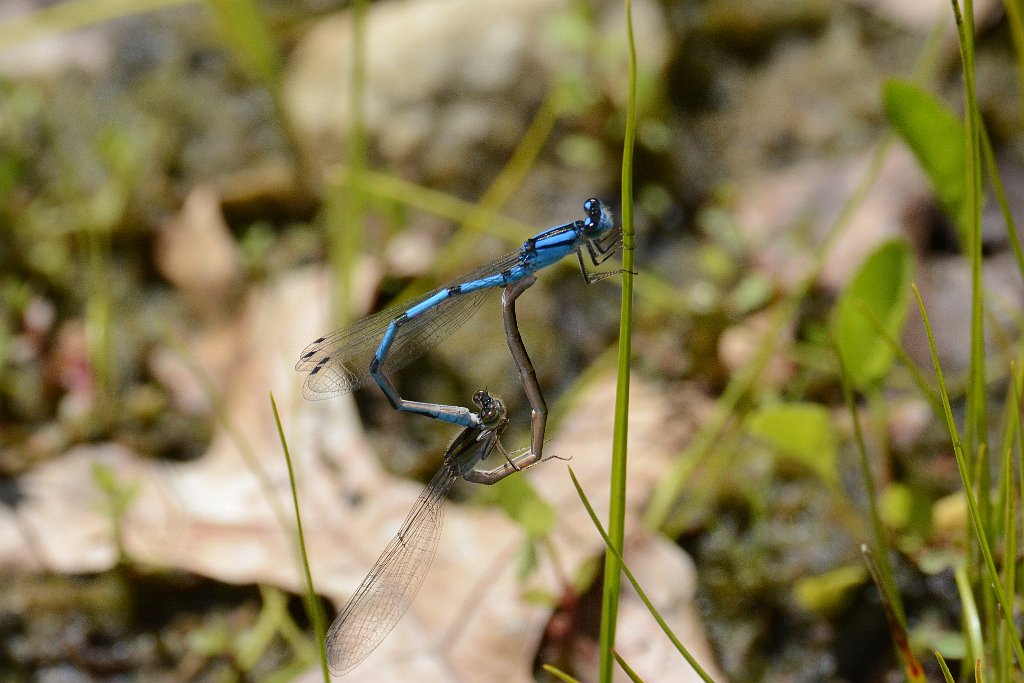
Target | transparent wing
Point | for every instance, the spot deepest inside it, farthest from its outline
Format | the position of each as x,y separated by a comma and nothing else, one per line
340,362
388,590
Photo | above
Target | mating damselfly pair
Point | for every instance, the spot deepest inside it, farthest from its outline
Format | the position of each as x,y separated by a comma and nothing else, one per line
389,340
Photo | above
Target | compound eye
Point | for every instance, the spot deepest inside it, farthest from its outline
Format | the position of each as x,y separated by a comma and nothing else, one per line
480,397
594,209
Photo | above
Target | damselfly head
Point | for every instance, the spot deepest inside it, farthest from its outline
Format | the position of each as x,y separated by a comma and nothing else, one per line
598,220
492,410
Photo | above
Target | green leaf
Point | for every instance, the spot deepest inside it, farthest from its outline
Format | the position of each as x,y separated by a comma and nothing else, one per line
878,295
896,505
801,431
828,593
936,137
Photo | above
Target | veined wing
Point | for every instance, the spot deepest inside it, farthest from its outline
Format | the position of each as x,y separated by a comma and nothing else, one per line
388,590
340,362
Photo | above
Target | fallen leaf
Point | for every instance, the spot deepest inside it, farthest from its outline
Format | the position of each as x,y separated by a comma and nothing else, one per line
197,253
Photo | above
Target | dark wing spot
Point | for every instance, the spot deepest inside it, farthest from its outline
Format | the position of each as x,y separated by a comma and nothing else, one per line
319,366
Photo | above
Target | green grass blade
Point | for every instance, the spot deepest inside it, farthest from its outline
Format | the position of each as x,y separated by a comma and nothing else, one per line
946,674
1001,199
72,15
1015,20
442,204
234,434
916,375
972,621
248,456
1009,522
666,629
897,623
886,581
1005,518
977,413
346,204
558,673
1020,481
965,476
310,598
633,676
978,447
617,486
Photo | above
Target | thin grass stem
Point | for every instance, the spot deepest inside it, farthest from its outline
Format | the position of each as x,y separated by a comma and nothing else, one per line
975,515
887,582
310,598
617,485
666,629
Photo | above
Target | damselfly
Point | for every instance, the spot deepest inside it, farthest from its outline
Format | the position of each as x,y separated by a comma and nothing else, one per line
390,586
344,360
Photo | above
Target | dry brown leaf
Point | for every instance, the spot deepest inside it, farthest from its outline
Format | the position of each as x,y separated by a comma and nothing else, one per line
196,252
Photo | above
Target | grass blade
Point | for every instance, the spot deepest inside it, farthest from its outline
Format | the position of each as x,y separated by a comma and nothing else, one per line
633,676
885,579
945,669
617,486
74,14
897,623
310,598
559,674
965,477
636,584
